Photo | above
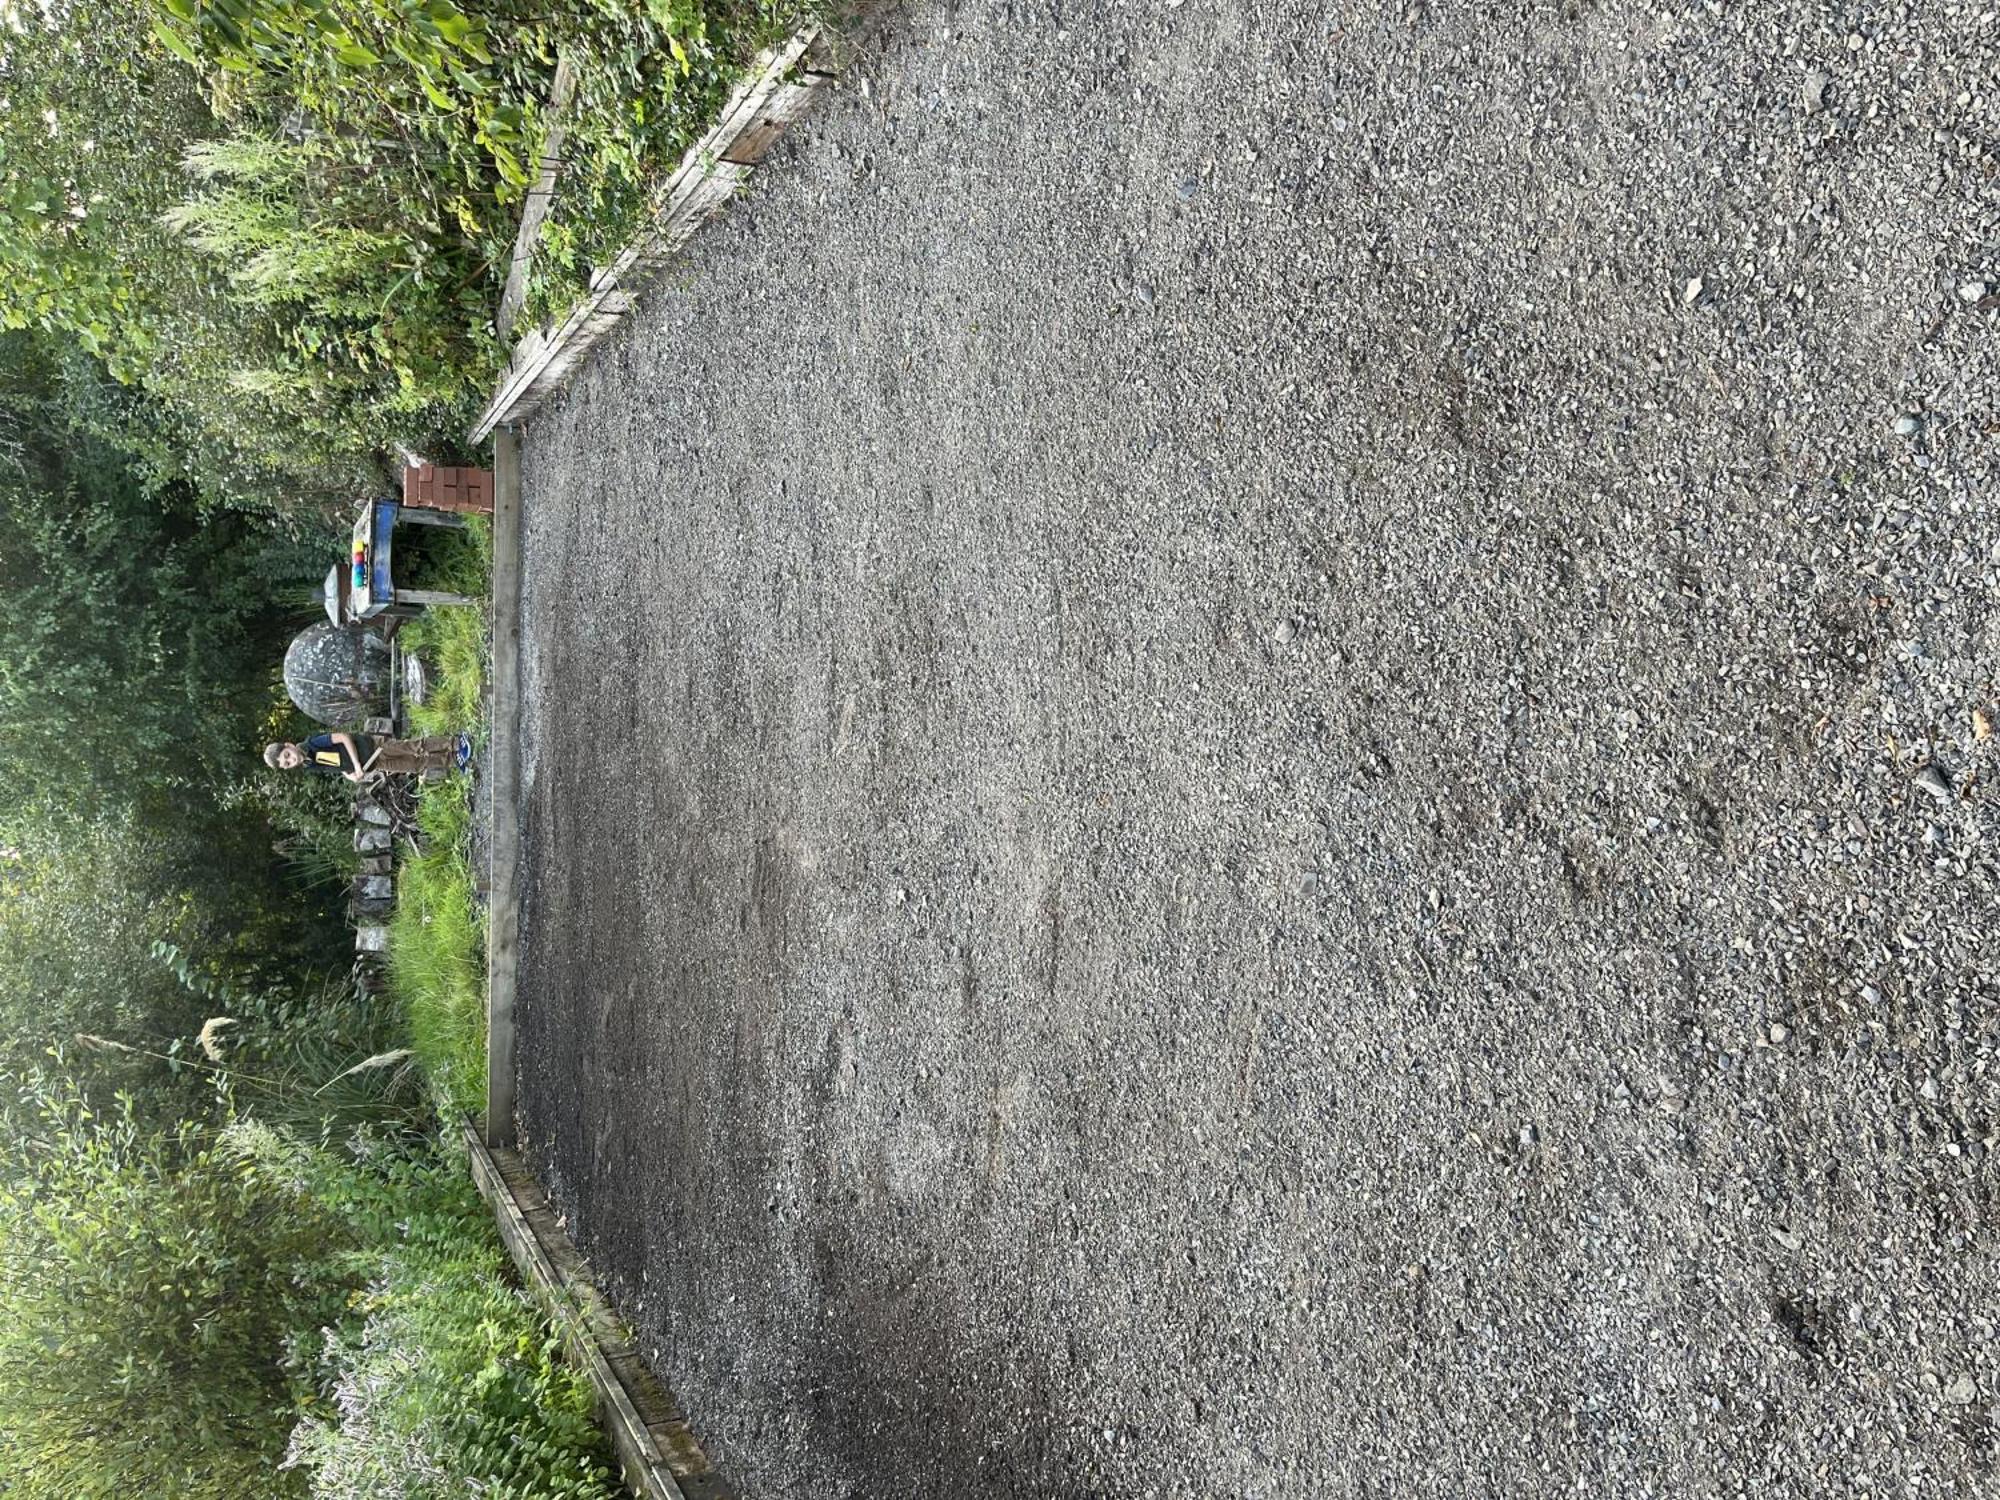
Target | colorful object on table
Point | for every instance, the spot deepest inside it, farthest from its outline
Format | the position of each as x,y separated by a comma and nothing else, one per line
360,585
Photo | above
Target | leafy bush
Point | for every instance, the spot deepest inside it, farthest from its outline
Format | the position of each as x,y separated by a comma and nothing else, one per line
82,910
452,1384
313,1058
150,1282
348,175
137,633
171,1300
380,310
88,158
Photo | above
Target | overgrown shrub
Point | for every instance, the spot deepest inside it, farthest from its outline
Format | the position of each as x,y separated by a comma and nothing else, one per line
310,1056
290,219
171,1300
148,1284
138,632
451,1384
81,912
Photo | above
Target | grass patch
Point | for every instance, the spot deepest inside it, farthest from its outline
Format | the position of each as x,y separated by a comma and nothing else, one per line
451,639
437,939
437,952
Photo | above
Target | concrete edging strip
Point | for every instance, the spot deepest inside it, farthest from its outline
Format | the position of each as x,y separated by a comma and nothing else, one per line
657,1454
779,87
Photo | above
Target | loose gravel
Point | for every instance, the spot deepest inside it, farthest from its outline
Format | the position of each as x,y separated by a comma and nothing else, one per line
1260,763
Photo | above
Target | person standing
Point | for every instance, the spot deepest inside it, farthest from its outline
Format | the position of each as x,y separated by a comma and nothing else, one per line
357,756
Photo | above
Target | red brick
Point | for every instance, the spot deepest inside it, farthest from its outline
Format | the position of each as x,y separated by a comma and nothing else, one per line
454,489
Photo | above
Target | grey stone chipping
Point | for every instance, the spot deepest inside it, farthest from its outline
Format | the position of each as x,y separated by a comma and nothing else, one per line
895,547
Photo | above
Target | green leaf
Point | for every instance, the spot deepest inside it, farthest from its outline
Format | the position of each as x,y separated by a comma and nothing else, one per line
354,55
450,24
175,43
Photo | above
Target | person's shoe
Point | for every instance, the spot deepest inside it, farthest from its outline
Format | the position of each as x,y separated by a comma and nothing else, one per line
462,752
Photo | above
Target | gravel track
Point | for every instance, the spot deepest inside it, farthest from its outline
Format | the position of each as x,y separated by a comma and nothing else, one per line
1256,764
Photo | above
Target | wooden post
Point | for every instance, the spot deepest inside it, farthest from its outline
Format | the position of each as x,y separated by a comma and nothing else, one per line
515,293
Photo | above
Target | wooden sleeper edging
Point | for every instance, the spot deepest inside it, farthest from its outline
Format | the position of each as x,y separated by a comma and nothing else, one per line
658,1455
779,88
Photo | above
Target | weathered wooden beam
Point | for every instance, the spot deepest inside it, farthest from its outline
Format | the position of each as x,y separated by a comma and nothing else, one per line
503,765
658,1455
776,91
540,198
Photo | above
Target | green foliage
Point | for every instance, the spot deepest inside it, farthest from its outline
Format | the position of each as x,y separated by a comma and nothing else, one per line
383,310
149,1283
171,1300
313,815
137,633
134,668
79,187
92,150
452,642
452,1383
290,219
437,952
81,910
310,1057
408,59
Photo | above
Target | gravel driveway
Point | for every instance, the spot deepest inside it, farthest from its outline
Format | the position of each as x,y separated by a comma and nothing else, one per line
1257,764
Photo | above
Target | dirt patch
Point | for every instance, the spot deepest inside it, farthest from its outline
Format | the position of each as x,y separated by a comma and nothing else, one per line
1222,766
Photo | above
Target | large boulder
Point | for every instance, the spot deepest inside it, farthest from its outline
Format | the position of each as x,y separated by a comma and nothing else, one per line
338,674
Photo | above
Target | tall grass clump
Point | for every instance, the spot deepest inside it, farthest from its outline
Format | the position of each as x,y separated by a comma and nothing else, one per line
437,952
452,641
